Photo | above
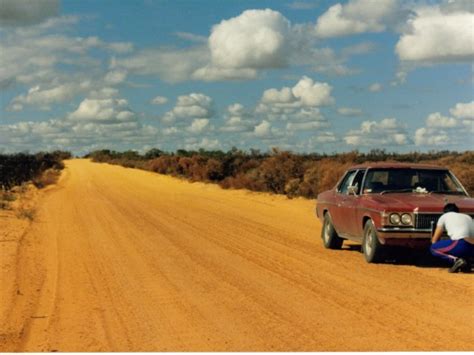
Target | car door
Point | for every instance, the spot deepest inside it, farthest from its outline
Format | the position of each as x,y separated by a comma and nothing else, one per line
339,210
351,206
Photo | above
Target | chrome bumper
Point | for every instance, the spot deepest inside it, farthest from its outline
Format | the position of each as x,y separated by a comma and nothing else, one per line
408,233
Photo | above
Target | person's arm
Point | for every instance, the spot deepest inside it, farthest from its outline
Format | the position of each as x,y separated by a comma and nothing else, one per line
439,229
437,234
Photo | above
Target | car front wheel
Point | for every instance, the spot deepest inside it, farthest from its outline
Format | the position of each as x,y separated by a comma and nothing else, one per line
373,251
330,238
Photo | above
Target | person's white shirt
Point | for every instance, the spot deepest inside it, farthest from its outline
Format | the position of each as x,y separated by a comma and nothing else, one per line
457,225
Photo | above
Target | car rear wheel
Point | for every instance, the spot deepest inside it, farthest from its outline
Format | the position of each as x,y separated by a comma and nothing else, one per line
374,252
330,238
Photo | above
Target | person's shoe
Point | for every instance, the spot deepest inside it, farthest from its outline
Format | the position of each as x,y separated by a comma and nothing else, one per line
459,264
466,268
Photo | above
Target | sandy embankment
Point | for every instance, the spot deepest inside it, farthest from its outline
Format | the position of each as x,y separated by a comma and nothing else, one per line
126,260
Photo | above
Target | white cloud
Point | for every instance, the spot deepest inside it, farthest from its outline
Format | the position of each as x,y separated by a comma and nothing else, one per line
463,110
191,37
159,100
172,65
443,130
431,136
313,93
263,129
238,119
212,73
194,105
26,12
199,125
436,36
299,102
103,110
254,39
115,77
349,111
306,93
44,97
306,126
372,133
205,143
375,87
436,120
357,16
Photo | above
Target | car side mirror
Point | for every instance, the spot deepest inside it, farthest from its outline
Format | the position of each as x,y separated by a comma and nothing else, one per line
352,190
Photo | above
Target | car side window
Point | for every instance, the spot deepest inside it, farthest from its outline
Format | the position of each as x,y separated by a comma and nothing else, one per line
358,180
347,182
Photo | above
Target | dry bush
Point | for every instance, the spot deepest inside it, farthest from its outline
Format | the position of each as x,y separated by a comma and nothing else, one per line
48,177
214,170
292,188
26,213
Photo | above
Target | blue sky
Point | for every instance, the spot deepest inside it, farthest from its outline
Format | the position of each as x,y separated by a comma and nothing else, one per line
307,76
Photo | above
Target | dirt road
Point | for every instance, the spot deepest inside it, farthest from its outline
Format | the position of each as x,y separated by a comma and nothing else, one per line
126,260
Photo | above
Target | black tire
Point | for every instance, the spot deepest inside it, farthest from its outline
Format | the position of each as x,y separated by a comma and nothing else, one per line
374,252
330,238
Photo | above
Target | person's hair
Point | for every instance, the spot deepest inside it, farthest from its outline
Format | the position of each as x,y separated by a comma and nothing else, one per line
450,207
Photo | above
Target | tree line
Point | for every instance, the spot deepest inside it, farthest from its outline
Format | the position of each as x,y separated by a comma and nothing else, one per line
279,172
18,168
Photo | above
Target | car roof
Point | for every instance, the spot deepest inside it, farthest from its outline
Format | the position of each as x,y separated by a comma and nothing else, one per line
396,165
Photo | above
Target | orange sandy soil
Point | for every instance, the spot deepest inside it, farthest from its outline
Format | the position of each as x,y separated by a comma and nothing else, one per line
126,260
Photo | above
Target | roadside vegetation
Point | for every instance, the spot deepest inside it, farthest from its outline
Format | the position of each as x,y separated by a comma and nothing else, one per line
18,170
277,171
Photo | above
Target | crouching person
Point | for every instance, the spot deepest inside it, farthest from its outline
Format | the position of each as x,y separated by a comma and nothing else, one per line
459,249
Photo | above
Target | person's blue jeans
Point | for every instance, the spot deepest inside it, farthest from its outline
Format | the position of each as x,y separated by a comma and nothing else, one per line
452,249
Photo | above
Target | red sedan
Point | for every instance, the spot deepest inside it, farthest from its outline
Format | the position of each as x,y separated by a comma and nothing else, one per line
384,204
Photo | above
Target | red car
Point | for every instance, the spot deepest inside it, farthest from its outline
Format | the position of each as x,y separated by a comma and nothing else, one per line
384,204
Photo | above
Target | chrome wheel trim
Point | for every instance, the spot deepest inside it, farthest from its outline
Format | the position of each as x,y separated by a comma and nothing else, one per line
368,242
326,232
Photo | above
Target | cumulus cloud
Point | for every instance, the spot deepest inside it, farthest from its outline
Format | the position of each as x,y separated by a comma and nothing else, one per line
463,110
375,87
305,93
204,143
103,110
115,77
444,130
199,125
95,124
434,35
388,132
431,136
357,16
212,73
306,126
159,100
45,97
172,65
192,106
238,119
254,39
439,121
349,111
263,129
301,102
26,12
36,57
